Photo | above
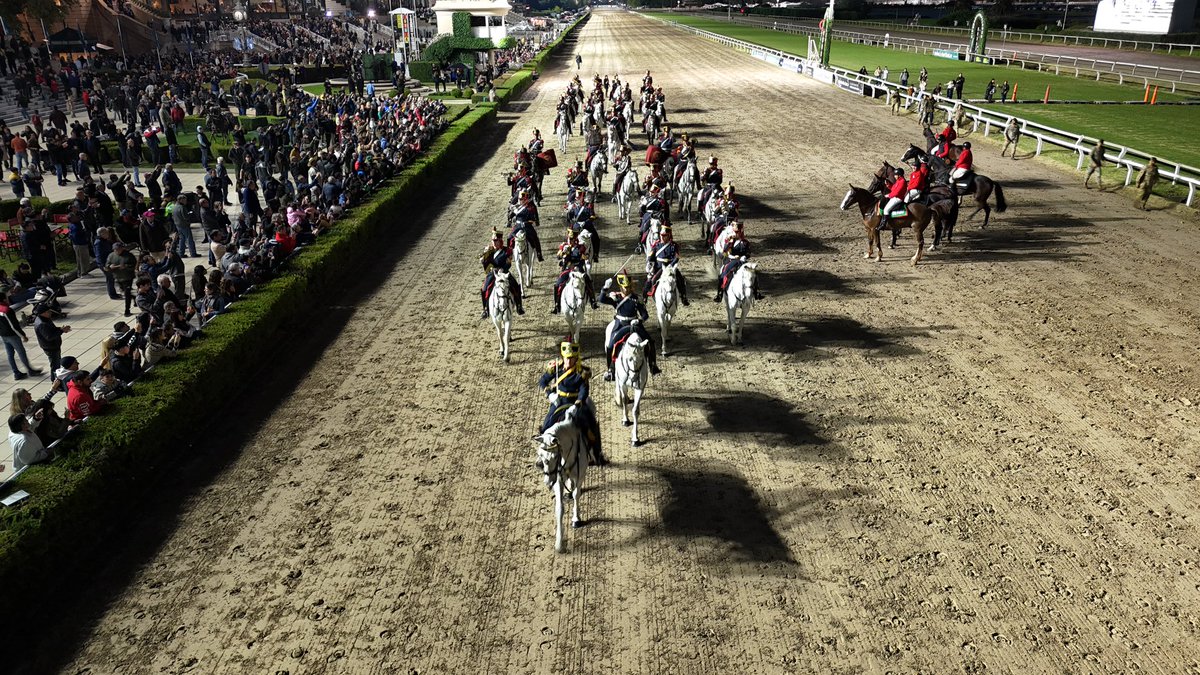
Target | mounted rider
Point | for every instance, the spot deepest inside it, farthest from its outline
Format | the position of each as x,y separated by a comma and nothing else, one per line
629,316
577,178
687,152
737,254
571,256
621,166
918,183
525,219
593,141
894,199
498,256
523,161
536,144
522,181
566,382
946,138
666,253
581,217
964,165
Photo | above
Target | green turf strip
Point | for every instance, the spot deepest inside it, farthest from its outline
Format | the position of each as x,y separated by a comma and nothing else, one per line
1031,84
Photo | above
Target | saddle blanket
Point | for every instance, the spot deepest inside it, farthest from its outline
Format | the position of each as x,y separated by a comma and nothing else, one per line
898,213
549,158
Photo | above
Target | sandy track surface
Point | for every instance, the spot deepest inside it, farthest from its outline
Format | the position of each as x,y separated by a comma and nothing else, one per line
988,462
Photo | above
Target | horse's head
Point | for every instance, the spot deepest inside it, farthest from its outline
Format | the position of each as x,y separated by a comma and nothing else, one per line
850,198
636,342
912,153
548,451
501,282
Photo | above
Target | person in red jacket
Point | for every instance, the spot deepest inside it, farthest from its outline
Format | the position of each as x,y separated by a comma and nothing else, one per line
80,402
895,198
964,164
947,137
918,183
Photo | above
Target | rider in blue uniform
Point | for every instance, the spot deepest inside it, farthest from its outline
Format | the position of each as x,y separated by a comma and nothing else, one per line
536,145
525,218
630,316
584,220
738,254
498,257
572,255
665,253
566,382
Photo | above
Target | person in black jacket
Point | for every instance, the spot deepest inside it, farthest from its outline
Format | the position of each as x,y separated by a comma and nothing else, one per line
49,335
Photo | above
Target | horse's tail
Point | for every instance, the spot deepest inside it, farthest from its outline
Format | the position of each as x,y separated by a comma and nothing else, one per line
1001,203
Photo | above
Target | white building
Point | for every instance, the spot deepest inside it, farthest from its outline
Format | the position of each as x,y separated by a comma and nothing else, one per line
487,17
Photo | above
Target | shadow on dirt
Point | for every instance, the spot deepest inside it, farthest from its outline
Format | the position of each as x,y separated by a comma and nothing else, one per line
786,282
793,241
815,337
1008,244
754,208
719,504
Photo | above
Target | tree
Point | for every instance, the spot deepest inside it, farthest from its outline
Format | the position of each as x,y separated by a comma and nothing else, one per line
44,10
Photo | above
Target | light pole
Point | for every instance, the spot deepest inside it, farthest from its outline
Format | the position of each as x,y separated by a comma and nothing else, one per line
240,16
1066,7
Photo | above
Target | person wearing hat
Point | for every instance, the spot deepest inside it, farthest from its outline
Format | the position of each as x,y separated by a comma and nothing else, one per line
566,382
894,199
964,163
621,166
628,312
14,339
49,335
498,256
67,371
665,254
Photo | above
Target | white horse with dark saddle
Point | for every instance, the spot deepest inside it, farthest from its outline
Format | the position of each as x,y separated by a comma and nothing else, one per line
572,303
523,258
563,130
632,374
666,302
500,304
563,459
739,297
688,188
627,195
597,170
653,238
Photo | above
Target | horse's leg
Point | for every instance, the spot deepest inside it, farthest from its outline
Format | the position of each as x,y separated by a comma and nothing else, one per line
729,312
507,336
576,491
895,239
636,440
919,230
559,544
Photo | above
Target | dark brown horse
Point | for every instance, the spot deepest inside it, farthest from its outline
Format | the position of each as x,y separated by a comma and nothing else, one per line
918,218
941,198
977,186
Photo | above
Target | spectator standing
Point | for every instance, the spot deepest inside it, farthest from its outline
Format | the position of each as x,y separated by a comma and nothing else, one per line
49,335
102,248
1146,180
1012,136
122,265
183,228
14,339
81,241
1097,165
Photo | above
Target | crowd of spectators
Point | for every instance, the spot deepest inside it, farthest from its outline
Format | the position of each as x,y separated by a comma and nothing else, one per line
272,192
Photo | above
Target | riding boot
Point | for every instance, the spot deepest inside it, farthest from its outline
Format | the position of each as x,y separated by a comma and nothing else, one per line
757,294
652,358
683,294
720,294
485,306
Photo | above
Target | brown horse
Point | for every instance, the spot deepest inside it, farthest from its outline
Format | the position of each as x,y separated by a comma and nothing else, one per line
943,199
918,218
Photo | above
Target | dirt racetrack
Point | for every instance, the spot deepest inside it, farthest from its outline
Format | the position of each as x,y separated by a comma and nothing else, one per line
985,463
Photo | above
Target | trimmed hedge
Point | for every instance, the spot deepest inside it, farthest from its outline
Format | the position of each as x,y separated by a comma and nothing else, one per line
8,207
128,444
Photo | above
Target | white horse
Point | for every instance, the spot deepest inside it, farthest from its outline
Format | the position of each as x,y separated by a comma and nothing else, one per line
523,260
627,194
563,129
627,113
651,124
597,169
632,374
500,309
585,238
653,237
687,188
720,245
739,296
563,460
666,302
615,142
572,303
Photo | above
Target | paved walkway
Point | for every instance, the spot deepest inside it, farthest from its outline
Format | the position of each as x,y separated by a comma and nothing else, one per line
90,314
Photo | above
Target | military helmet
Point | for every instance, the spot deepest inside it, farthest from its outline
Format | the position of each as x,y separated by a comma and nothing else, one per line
623,279
569,349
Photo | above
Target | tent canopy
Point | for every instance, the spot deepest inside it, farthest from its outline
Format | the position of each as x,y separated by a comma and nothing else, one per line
70,40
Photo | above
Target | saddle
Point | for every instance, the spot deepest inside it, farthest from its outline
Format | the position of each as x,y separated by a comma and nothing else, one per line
898,213
965,182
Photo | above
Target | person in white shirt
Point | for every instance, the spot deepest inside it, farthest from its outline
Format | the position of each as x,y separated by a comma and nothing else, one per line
27,447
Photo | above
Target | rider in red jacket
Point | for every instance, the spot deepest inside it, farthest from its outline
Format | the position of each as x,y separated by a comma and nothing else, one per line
918,183
894,197
964,163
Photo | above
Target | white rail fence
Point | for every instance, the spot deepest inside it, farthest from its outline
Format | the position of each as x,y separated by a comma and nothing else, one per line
1121,72
1130,159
